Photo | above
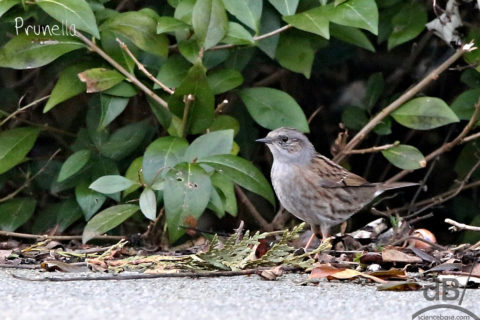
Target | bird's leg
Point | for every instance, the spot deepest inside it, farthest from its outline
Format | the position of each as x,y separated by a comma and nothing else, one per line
309,243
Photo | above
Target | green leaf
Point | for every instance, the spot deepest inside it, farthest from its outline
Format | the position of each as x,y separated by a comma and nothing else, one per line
270,22
471,78
351,35
148,204
163,115
5,5
405,157
295,53
354,118
215,203
247,11
162,155
223,122
89,201
238,35
104,167
242,172
202,108
217,142
111,184
139,27
67,86
272,108
169,24
27,52
100,79
407,24
190,49
473,57
226,189
186,195
124,141
107,220
464,104
74,13
59,215
424,113
173,71
112,107
123,89
74,164
285,7
375,85
14,146
356,13
223,80
134,173
14,213
384,127
210,22
315,20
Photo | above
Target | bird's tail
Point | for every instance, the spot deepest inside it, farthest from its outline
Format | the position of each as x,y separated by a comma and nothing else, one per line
382,187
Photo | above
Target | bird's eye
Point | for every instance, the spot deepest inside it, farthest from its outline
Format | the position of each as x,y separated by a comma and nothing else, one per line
284,138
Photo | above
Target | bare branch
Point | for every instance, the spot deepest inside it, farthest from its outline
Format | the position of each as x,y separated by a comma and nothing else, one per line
460,226
19,110
373,149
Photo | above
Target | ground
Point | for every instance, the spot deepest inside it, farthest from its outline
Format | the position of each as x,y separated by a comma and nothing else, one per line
245,297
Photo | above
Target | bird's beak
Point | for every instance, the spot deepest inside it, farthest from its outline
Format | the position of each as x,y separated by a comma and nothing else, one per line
264,140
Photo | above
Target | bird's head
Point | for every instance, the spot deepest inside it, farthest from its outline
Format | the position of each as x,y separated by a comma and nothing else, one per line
289,146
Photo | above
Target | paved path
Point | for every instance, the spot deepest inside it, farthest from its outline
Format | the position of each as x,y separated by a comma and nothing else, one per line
214,298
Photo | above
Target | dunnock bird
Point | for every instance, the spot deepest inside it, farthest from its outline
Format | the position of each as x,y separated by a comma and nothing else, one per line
312,187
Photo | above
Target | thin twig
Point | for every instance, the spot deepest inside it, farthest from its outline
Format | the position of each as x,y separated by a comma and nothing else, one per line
446,146
92,46
19,110
20,266
314,114
373,149
27,182
460,226
142,68
253,211
221,105
58,238
188,101
409,94
422,184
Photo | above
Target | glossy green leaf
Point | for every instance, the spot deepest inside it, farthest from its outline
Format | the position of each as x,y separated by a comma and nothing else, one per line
375,86
223,122
162,155
163,115
107,220
14,213
112,107
464,104
216,142
354,118
285,7
140,27
173,71
123,89
424,113
72,13
186,195
190,49
74,164
315,20
351,35
238,35
169,24
408,23
134,173
215,203
223,80
226,189
355,13
14,146
5,5
384,127
269,22
405,157
111,184
210,22
148,204
246,11
67,86
124,141
59,215
89,200
27,52
272,108
100,79
201,110
295,53
105,167
242,172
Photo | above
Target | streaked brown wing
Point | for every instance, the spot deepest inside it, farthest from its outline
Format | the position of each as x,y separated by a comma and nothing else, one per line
334,176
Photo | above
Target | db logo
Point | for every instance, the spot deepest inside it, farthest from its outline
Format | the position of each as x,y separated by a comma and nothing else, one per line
447,289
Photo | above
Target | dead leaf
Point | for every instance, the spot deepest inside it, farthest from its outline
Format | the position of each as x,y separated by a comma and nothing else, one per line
350,274
392,255
262,248
393,273
191,223
462,280
323,271
446,267
423,255
272,273
54,265
400,286
371,257
4,254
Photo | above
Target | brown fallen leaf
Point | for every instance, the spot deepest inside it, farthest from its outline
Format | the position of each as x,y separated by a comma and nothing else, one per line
393,255
54,265
272,273
323,271
371,257
330,272
400,286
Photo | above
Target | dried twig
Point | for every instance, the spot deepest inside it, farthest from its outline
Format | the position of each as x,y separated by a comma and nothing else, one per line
400,101
19,110
460,226
314,114
58,238
92,46
142,68
253,211
373,149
